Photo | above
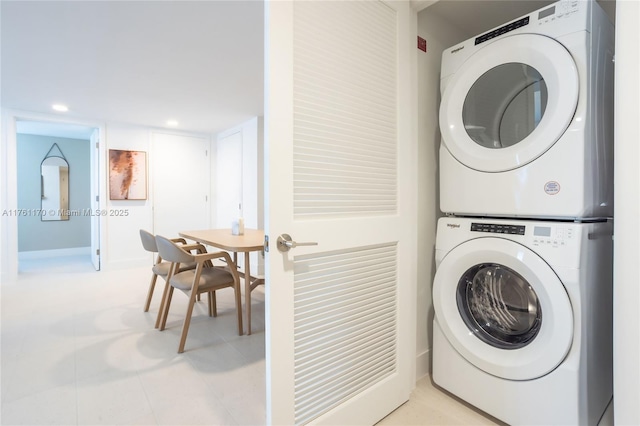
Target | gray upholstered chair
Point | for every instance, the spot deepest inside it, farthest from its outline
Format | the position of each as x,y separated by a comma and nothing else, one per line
160,268
205,278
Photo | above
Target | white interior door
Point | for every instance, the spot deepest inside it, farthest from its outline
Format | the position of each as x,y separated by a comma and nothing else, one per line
228,179
181,183
341,172
95,198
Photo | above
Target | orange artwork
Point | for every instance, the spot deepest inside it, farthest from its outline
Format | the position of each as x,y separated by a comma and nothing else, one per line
127,175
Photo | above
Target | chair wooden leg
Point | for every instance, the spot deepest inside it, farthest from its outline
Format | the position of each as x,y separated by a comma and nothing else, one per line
163,302
165,314
239,308
152,286
213,305
187,322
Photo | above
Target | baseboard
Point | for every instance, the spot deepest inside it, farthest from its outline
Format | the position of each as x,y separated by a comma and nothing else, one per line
125,264
43,254
423,364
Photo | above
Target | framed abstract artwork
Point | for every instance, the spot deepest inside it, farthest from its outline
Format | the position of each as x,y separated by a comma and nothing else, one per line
127,175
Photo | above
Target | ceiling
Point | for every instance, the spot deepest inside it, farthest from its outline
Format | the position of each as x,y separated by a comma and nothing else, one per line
139,62
145,62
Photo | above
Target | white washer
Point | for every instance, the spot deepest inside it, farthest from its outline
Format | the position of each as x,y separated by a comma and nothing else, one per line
523,318
527,117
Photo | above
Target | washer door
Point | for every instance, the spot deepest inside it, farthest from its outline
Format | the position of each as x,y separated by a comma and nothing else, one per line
503,308
509,103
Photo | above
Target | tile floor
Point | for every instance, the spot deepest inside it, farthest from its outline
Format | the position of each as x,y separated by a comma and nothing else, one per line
76,349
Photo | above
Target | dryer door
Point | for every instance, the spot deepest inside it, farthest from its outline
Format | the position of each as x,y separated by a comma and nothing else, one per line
503,308
509,102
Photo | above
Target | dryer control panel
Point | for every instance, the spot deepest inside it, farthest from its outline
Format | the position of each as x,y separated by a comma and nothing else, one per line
555,20
512,26
562,9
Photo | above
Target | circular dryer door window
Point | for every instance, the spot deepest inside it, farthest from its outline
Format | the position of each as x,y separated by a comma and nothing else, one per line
504,105
509,102
503,308
499,306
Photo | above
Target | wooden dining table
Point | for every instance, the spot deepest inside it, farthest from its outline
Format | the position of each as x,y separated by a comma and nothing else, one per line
251,240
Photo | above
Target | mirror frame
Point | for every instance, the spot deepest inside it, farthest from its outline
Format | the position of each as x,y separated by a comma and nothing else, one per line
50,213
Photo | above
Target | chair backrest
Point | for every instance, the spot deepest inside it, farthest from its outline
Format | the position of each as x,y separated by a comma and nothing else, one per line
148,241
171,252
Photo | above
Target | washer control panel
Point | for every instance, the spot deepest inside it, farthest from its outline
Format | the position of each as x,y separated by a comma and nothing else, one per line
551,236
498,228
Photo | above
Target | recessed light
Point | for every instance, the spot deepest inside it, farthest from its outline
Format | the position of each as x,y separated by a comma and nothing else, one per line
60,107
172,123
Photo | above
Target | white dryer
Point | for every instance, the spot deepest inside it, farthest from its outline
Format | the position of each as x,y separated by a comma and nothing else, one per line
526,117
523,318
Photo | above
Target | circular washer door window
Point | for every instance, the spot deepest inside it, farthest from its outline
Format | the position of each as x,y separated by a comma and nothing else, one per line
509,102
503,308
499,306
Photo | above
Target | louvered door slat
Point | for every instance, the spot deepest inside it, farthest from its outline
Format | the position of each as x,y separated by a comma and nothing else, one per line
344,326
344,118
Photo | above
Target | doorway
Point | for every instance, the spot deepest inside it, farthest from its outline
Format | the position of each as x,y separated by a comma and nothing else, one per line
67,236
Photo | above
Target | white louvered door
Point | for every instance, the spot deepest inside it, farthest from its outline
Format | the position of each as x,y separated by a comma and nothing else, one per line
340,172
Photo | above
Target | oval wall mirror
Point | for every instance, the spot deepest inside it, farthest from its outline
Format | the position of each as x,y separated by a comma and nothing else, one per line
54,186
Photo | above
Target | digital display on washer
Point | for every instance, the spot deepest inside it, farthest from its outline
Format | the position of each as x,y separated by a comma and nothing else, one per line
498,228
547,12
502,30
541,231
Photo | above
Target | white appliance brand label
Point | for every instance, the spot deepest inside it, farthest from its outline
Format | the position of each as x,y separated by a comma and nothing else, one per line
552,187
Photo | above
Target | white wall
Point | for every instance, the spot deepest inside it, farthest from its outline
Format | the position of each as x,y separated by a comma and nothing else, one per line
627,216
120,245
439,35
62,234
8,198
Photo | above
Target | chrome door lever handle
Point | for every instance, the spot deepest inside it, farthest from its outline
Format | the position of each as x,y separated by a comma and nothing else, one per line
286,243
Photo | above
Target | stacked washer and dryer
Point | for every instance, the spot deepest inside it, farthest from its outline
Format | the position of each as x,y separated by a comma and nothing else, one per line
523,286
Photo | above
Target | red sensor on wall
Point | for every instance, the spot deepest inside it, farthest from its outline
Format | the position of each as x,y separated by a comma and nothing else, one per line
422,44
